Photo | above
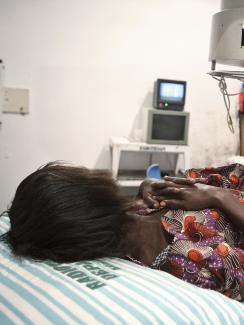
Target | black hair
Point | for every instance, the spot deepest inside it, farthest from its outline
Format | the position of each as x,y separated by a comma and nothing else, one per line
66,213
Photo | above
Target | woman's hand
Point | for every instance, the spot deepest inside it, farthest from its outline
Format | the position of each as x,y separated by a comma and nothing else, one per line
190,198
151,191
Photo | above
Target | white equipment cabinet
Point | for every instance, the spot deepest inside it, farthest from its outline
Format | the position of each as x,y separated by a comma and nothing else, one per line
121,145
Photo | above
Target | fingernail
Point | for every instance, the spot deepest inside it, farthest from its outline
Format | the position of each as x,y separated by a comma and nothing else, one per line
162,204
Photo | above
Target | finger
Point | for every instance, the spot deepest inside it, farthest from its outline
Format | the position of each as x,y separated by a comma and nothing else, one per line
201,180
169,191
173,204
157,186
162,204
181,181
151,202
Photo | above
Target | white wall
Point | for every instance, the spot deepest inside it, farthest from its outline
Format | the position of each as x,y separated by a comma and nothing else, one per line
90,67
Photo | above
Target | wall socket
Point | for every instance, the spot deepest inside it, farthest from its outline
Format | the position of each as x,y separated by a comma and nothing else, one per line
16,100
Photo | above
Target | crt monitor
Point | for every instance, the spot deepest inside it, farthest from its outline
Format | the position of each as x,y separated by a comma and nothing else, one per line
167,127
169,94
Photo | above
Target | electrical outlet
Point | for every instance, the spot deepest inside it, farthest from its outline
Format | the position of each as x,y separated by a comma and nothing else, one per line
16,100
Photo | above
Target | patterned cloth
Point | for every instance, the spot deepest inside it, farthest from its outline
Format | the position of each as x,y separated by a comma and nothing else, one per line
207,250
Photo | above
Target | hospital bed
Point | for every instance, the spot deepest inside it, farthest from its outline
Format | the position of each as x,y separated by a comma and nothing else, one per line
105,291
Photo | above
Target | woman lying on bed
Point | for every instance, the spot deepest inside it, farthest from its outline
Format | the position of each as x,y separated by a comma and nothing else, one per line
68,214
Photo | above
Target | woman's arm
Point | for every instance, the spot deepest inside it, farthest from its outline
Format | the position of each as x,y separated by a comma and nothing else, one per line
230,205
203,197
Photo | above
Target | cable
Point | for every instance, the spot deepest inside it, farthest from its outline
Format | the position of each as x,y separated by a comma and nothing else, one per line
221,76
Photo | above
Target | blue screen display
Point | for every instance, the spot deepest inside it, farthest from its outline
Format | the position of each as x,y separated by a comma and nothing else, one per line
172,92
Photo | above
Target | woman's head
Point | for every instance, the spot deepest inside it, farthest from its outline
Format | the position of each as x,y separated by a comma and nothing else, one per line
67,213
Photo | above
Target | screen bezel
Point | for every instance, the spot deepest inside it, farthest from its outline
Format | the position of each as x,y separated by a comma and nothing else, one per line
153,112
161,104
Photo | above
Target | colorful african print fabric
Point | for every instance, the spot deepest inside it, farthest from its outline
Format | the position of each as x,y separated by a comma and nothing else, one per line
207,250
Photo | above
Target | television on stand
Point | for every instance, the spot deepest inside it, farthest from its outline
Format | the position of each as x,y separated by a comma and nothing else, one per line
169,94
167,127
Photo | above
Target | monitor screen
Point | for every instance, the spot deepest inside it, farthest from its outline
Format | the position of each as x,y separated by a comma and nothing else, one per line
171,92
167,127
